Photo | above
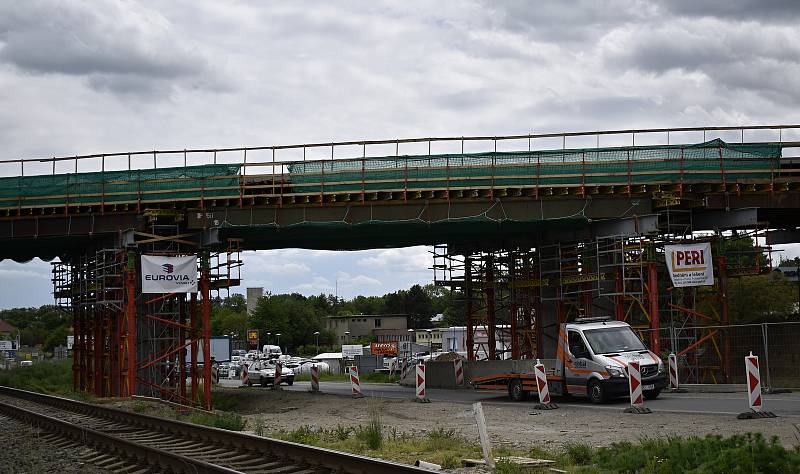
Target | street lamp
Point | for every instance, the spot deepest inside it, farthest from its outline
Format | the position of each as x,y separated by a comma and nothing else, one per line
316,333
278,343
410,342
347,333
268,337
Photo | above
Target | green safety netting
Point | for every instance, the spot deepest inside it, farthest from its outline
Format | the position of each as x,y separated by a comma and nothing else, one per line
161,184
702,162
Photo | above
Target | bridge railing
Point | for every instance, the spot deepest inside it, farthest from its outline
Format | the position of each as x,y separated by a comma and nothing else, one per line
260,159
390,165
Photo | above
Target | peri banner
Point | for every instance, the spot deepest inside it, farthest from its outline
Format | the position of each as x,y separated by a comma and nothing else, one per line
169,274
690,264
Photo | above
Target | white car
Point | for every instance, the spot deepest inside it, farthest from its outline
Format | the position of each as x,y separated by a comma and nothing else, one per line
263,373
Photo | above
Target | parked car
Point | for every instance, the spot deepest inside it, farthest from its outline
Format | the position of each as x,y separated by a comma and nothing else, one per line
263,373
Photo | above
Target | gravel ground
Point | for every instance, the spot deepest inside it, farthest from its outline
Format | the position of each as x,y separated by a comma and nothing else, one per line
24,452
514,425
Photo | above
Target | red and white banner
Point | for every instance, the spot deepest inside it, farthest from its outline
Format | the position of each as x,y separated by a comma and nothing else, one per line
541,384
635,378
245,375
753,382
355,382
673,372
276,380
169,274
314,378
459,368
690,264
420,381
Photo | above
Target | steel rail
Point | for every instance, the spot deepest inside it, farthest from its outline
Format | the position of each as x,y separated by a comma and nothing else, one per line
126,449
398,141
334,461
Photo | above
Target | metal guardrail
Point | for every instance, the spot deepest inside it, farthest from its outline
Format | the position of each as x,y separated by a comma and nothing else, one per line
185,153
334,461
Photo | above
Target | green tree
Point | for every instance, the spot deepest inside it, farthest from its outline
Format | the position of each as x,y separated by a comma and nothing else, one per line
293,316
762,298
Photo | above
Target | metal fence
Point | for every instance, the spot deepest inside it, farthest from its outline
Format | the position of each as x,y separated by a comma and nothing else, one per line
715,354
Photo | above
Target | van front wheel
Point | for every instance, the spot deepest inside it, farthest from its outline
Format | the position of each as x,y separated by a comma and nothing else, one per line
596,392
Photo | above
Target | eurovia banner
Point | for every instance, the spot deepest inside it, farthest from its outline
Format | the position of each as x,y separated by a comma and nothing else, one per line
690,264
169,274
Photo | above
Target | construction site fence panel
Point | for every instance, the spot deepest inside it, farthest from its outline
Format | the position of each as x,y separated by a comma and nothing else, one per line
714,354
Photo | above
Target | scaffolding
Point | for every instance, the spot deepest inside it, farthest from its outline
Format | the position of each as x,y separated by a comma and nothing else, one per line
131,343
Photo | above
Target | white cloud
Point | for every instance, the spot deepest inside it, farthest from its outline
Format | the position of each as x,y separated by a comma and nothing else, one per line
117,76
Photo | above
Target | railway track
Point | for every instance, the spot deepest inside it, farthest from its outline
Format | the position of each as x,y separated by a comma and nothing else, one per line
132,442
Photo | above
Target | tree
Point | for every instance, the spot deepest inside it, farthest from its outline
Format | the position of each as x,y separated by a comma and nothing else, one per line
291,315
762,298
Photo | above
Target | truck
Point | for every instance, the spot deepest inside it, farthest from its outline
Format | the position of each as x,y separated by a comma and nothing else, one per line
592,357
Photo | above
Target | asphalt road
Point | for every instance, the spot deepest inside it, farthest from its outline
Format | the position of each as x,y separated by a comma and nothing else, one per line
786,404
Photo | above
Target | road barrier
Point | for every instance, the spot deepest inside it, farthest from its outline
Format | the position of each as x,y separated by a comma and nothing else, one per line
420,383
635,384
673,372
314,378
541,387
754,390
355,383
276,380
459,368
215,375
245,375
404,370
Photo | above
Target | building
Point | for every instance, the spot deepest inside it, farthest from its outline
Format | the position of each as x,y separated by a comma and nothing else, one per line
454,339
253,295
7,331
789,271
393,335
363,325
432,338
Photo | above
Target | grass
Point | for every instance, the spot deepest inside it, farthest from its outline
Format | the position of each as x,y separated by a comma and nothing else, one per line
51,378
440,446
371,377
225,421
749,453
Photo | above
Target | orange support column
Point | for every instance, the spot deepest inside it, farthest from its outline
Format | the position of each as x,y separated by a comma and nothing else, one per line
130,316
205,290
491,326
652,296
193,336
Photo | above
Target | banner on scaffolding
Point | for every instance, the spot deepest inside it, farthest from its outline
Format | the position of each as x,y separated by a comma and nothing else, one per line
169,274
690,264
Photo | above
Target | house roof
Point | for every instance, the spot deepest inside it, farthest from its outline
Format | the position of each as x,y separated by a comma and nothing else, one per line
5,327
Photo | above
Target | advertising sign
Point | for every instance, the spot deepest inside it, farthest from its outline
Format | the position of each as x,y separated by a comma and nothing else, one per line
252,337
7,346
690,264
70,342
383,348
169,274
351,350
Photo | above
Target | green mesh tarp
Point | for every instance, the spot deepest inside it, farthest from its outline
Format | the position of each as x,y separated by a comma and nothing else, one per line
161,184
702,162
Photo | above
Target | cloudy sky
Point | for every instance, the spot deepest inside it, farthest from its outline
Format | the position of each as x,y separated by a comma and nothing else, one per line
104,76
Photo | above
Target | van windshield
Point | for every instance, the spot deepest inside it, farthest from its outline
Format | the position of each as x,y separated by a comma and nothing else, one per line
610,340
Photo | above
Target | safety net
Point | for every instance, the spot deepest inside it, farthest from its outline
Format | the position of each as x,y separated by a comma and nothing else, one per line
160,184
712,161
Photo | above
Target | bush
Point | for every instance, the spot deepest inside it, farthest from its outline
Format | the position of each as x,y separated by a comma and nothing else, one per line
51,378
712,454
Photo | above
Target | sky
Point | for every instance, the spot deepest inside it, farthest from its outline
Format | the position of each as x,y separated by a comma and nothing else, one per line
108,76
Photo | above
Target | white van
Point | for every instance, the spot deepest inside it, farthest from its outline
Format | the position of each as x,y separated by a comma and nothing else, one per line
272,352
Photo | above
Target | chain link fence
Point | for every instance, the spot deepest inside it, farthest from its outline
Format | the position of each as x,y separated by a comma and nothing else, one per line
715,354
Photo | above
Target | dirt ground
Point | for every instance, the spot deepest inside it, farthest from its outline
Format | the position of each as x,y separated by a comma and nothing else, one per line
513,425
